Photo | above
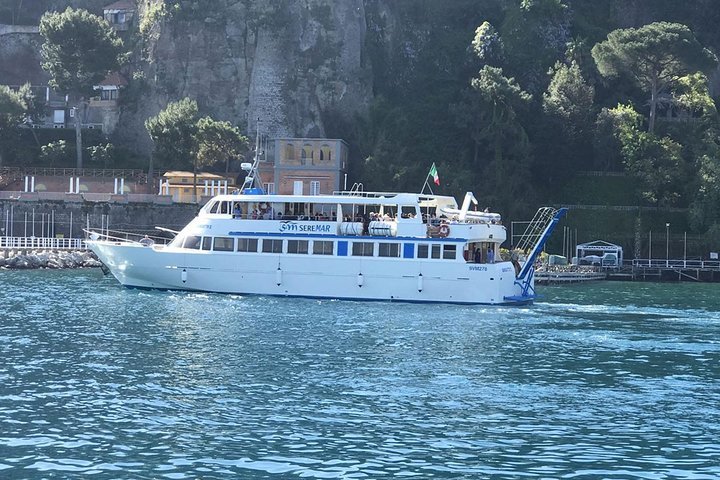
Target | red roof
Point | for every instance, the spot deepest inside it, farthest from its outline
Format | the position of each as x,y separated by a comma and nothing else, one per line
114,79
121,5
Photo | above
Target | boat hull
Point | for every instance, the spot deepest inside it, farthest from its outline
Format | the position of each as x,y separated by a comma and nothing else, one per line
313,276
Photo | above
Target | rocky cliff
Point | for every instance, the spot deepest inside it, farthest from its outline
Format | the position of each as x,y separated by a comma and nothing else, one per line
290,64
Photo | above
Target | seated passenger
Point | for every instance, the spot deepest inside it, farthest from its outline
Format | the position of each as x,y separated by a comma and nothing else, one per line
237,211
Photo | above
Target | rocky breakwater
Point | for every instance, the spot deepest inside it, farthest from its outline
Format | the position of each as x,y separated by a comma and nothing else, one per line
16,259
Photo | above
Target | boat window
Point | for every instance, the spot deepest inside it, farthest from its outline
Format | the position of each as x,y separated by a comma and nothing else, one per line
223,244
362,249
192,241
214,208
407,211
436,251
389,249
247,245
423,250
206,243
225,207
322,247
297,246
272,246
450,252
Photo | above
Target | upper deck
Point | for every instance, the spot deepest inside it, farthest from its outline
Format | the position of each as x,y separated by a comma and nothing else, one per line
378,214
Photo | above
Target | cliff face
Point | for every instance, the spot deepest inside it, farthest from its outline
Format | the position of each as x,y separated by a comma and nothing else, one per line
290,65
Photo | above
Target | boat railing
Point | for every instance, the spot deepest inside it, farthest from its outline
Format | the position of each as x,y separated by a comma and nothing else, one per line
363,194
125,237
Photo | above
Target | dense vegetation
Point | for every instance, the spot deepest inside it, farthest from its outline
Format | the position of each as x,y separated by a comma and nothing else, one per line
510,98
548,88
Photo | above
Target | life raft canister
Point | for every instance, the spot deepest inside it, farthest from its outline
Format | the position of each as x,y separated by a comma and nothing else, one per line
444,230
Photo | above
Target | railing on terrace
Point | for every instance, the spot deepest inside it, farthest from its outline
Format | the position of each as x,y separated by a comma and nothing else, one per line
140,175
48,243
689,264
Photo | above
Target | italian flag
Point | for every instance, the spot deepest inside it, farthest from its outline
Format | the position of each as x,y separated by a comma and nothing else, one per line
433,173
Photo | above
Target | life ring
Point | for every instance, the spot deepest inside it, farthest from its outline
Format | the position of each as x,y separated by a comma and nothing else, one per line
444,230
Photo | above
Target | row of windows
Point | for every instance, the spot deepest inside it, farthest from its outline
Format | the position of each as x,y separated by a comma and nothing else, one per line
316,247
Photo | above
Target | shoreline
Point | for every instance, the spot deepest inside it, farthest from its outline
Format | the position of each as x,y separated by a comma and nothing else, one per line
47,259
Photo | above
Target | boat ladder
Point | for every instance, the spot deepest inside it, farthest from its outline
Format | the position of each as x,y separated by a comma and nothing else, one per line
533,240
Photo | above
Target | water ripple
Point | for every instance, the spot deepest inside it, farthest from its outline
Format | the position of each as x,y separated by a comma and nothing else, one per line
603,381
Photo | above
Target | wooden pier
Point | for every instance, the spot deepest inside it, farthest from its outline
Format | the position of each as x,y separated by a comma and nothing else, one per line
667,271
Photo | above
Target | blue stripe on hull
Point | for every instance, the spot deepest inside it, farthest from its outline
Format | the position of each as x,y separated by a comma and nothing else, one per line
349,299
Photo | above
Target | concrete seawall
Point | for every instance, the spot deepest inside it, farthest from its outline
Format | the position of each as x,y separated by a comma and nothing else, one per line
67,219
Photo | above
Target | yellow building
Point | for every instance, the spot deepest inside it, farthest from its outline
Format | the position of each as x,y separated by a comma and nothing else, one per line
179,184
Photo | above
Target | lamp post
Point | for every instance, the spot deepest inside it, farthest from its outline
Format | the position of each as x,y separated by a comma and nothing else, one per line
667,244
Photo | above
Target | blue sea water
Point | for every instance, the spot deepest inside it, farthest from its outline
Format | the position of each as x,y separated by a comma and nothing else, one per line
603,380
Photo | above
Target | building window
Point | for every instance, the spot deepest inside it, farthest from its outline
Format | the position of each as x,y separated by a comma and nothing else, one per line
289,151
450,252
362,249
307,154
321,247
325,154
206,243
297,246
389,250
269,188
423,250
223,244
272,246
247,245
109,94
314,187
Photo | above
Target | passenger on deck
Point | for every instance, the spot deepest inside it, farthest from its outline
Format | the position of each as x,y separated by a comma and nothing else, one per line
490,255
478,255
237,211
146,241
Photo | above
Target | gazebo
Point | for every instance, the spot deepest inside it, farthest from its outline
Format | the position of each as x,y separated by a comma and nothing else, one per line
599,248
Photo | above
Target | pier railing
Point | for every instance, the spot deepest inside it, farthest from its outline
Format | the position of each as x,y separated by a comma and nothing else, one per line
689,264
48,243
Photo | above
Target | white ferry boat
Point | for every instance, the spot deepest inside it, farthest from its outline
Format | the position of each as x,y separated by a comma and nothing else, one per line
349,245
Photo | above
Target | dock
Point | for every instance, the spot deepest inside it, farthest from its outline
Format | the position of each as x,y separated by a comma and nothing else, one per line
667,271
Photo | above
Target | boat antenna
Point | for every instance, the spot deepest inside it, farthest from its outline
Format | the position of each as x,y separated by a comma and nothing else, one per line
251,178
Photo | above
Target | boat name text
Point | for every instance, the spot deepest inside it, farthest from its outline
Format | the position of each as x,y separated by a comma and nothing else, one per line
289,226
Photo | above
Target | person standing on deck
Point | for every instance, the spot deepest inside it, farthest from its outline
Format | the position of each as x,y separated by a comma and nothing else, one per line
490,255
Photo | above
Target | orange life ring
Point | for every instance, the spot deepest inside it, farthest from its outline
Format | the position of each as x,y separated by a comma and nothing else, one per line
444,230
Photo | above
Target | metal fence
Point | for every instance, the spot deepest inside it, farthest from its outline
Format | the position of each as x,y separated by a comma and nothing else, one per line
48,243
693,264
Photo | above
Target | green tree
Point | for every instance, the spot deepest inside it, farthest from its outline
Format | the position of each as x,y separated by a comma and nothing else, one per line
55,153
499,101
488,45
606,143
174,135
569,98
219,141
691,94
656,162
79,49
654,55
535,34
102,154
565,143
12,112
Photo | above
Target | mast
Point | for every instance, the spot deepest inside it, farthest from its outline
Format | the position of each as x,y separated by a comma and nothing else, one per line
251,179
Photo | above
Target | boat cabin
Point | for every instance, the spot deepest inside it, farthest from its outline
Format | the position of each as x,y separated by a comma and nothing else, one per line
389,225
